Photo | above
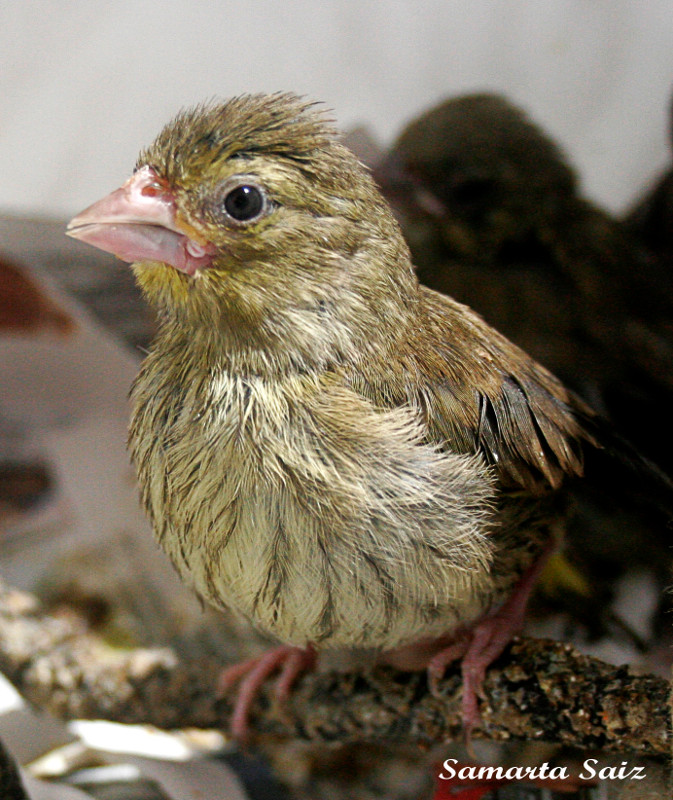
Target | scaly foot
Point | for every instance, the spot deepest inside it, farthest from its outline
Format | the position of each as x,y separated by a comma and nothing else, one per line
291,661
479,646
476,647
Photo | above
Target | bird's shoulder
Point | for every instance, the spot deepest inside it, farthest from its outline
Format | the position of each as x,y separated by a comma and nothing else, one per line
479,393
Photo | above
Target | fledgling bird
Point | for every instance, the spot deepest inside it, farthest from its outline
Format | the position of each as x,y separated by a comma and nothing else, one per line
346,458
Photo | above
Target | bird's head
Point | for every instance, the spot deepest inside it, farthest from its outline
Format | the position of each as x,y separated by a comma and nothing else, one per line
250,224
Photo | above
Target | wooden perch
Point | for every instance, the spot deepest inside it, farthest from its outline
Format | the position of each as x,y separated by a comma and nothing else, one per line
538,690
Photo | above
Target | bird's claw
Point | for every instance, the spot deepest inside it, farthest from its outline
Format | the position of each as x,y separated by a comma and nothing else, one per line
290,661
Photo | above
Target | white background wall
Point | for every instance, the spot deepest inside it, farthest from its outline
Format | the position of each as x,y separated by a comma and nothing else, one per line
83,85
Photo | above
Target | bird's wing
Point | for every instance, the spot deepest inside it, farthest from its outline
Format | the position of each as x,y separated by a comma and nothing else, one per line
488,395
480,393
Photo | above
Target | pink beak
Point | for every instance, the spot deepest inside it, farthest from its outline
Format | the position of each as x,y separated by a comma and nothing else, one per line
138,222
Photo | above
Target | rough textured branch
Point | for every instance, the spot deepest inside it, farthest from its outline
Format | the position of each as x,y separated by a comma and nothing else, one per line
538,689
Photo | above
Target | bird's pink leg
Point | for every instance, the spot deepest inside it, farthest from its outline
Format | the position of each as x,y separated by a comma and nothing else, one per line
481,645
476,646
291,661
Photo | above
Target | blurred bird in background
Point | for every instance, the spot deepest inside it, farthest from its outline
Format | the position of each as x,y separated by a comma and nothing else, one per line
347,458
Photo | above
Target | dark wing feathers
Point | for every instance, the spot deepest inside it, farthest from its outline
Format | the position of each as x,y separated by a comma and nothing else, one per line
492,398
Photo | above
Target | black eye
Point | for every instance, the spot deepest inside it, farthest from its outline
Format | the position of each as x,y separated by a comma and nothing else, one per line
244,203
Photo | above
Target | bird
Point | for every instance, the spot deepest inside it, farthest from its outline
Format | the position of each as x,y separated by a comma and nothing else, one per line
348,459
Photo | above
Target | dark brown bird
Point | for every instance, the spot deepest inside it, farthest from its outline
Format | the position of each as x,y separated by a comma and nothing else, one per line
346,458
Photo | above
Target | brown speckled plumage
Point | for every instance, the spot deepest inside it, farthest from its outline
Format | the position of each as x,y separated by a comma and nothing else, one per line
344,457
